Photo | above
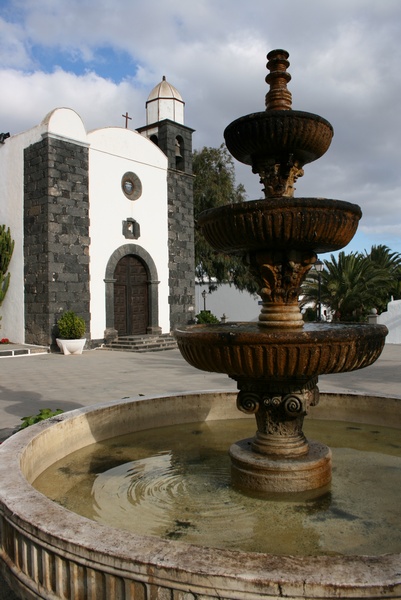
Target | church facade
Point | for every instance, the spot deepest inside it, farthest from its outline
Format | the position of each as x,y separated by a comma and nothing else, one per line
102,223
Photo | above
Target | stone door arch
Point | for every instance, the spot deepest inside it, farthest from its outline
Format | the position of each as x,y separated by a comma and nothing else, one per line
131,288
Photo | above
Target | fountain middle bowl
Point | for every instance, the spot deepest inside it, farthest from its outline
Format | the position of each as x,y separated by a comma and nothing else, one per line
247,350
318,224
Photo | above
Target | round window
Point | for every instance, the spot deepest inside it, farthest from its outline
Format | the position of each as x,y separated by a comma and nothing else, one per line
131,186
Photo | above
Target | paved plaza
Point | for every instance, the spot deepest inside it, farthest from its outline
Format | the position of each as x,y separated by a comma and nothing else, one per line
29,383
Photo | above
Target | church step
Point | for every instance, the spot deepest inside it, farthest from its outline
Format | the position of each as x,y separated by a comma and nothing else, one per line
147,343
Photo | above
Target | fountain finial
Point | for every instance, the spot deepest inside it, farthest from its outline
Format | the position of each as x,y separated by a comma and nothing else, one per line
279,141
278,98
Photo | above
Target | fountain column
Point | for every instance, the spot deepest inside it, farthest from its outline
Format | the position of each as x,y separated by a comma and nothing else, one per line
279,458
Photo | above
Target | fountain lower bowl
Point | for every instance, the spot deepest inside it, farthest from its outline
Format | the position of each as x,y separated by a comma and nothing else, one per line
245,350
49,552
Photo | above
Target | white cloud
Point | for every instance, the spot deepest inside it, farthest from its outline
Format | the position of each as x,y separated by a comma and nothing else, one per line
13,51
28,97
344,56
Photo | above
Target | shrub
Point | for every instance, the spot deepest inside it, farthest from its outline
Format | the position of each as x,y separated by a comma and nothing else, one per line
44,413
206,317
70,326
6,252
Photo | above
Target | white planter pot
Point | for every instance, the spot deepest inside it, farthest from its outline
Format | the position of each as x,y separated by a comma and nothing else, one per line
71,346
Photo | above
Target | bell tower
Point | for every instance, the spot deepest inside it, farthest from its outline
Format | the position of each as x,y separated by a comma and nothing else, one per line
165,128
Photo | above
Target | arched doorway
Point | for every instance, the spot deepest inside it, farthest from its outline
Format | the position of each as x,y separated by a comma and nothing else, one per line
135,251
131,303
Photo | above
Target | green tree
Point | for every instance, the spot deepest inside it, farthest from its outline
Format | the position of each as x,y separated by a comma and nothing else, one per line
349,286
215,186
383,258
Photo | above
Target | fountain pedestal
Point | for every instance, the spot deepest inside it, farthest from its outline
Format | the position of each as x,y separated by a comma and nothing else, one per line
259,473
281,458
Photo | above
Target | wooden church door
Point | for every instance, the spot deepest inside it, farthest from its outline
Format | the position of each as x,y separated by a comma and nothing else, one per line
131,314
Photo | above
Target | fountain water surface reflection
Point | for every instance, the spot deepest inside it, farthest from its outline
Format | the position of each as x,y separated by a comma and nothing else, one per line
174,482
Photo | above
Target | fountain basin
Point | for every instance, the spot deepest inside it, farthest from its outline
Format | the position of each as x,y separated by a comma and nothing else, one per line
317,224
278,134
49,552
245,350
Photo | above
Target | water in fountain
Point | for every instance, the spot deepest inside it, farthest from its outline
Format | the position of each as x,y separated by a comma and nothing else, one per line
174,483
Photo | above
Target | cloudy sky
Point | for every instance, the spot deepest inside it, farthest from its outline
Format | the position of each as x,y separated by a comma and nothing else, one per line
103,57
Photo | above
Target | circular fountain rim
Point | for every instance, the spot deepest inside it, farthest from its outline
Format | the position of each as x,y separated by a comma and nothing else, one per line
267,205
245,332
202,568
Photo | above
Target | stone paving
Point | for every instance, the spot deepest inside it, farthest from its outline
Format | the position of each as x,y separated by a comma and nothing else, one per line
29,382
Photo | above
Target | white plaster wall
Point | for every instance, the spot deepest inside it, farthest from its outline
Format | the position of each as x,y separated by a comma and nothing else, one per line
392,319
113,152
11,215
236,305
66,123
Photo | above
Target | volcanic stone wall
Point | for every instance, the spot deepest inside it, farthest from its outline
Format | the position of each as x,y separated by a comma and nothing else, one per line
180,221
181,249
56,236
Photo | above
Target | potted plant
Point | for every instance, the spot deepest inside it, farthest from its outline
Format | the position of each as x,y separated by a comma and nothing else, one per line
71,329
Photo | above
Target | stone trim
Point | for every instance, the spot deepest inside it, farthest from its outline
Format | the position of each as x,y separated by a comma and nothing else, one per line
153,283
64,138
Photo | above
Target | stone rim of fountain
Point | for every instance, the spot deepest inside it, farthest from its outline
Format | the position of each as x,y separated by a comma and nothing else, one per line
68,545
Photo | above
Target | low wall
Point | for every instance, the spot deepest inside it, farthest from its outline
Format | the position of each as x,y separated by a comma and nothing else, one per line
392,319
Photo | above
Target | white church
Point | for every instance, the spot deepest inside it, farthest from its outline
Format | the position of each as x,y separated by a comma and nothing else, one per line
102,223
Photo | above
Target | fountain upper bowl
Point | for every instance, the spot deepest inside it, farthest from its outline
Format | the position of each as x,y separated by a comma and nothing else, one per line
278,134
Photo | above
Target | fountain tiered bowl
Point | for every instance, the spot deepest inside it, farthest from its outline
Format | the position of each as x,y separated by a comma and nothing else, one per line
245,350
317,224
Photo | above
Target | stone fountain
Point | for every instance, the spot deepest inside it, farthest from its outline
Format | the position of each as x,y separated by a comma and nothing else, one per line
49,552
276,361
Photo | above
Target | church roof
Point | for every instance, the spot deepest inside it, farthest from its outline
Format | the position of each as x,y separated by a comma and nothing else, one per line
164,90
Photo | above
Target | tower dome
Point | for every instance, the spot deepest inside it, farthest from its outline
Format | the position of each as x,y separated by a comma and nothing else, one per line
164,102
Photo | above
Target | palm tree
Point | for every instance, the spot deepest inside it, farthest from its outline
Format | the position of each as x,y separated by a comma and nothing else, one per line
349,286
384,258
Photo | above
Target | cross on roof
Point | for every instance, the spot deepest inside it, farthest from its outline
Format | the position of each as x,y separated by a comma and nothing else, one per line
127,118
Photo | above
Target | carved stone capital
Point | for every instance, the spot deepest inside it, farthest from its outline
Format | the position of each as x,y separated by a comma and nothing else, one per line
278,178
279,418
279,274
